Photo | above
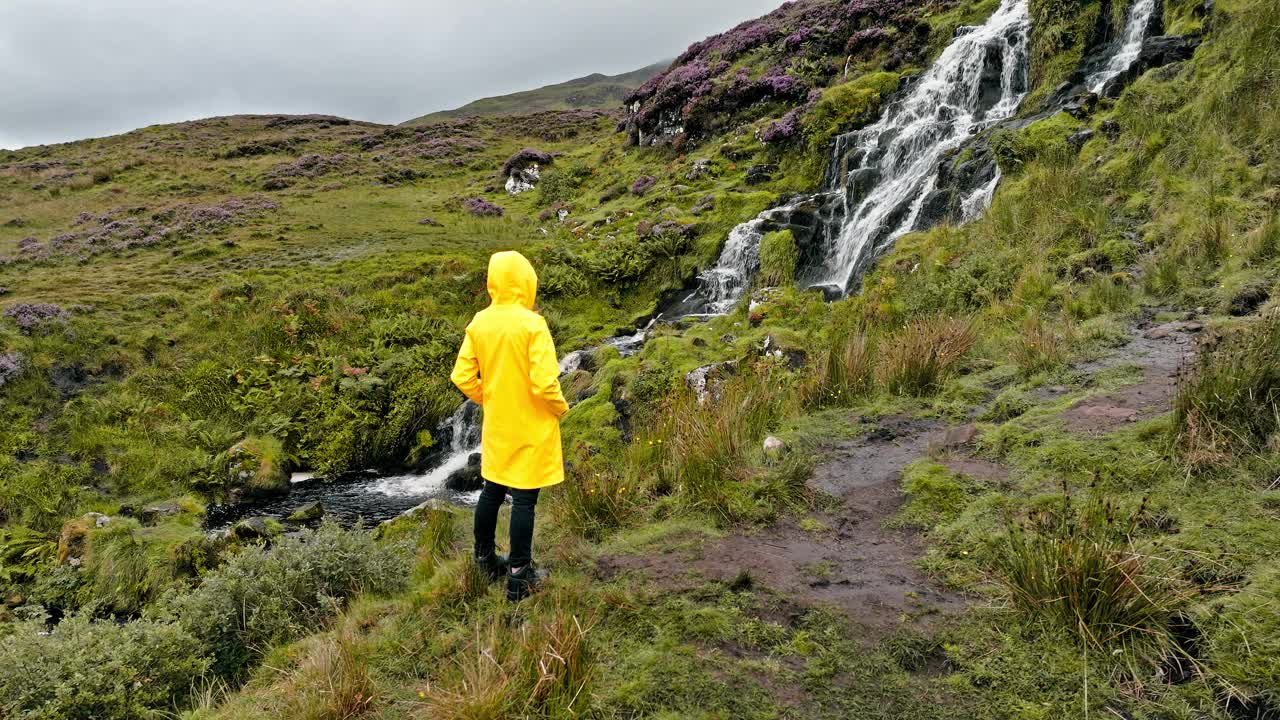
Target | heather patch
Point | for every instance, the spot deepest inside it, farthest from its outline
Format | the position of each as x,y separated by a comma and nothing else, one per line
29,316
482,208
643,184
310,166
524,159
777,58
133,228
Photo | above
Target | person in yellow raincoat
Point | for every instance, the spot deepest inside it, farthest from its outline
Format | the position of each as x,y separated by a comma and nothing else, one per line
508,366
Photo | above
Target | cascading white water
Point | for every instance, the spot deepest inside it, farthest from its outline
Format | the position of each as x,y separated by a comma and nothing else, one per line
1135,32
947,105
725,283
464,442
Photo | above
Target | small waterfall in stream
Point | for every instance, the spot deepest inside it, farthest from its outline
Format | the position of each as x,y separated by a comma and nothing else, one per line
979,80
1136,29
464,441
724,285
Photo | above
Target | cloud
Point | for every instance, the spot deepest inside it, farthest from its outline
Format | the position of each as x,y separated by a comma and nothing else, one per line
75,69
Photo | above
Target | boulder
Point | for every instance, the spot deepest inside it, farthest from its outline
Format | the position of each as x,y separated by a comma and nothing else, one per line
1111,129
1248,300
774,446
152,514
707,380
700,169
254,528
256,470
308,512
1077,140
760,174
523,180
467,479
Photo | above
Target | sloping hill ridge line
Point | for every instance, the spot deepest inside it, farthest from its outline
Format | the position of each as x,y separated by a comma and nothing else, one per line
595,91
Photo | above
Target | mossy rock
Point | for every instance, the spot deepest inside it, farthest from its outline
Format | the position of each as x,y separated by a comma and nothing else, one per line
778,257
256,469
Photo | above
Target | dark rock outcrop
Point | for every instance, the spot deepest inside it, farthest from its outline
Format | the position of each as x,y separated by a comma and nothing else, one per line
467,479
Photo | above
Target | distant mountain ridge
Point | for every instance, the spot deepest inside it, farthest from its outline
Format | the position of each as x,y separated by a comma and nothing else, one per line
595,91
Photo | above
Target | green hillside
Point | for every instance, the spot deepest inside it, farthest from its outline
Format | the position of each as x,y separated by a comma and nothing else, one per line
1027,469
593,92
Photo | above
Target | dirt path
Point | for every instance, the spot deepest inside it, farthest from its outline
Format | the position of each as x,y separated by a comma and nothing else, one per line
1161,351
851,558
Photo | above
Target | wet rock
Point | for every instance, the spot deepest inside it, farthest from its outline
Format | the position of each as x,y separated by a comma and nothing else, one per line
309,512
1159,333
760,174
1111,129
254,528
152,514
468,478
707,380
960,436
1156,52
1077,140
774,446
1248,300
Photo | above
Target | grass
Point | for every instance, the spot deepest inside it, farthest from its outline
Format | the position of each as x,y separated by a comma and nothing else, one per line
918,358
1078,570
1230,402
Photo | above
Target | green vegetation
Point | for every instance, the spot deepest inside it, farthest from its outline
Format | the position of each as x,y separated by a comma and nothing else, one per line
302,314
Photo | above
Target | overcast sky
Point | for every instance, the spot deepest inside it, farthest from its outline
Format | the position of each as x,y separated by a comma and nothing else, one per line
71,69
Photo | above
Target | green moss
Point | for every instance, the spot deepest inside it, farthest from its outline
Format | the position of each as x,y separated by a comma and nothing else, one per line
778,257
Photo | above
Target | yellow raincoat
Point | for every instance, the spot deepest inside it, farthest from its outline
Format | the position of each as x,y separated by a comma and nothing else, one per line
508,365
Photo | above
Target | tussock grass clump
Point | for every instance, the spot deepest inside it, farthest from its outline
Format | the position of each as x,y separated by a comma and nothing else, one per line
595,500
1230,401
844,372
543,669
1039,347
700,444
917,359
1080,572
332,682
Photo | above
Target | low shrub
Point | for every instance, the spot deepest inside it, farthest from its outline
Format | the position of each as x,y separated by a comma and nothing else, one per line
643,184
917,359
1230,401
101,670
261,597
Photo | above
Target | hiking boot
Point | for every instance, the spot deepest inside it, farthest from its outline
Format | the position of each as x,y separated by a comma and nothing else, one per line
493,566
521,585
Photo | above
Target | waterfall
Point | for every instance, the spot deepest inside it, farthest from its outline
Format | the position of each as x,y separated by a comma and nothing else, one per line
724,284
879,177
1135,33
979,80
463,429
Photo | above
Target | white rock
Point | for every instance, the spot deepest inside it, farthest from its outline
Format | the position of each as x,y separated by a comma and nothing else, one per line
774,446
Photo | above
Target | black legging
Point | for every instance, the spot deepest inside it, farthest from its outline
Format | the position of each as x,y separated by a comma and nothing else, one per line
522,511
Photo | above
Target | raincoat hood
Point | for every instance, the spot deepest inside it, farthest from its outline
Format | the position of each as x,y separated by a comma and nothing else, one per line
512,280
